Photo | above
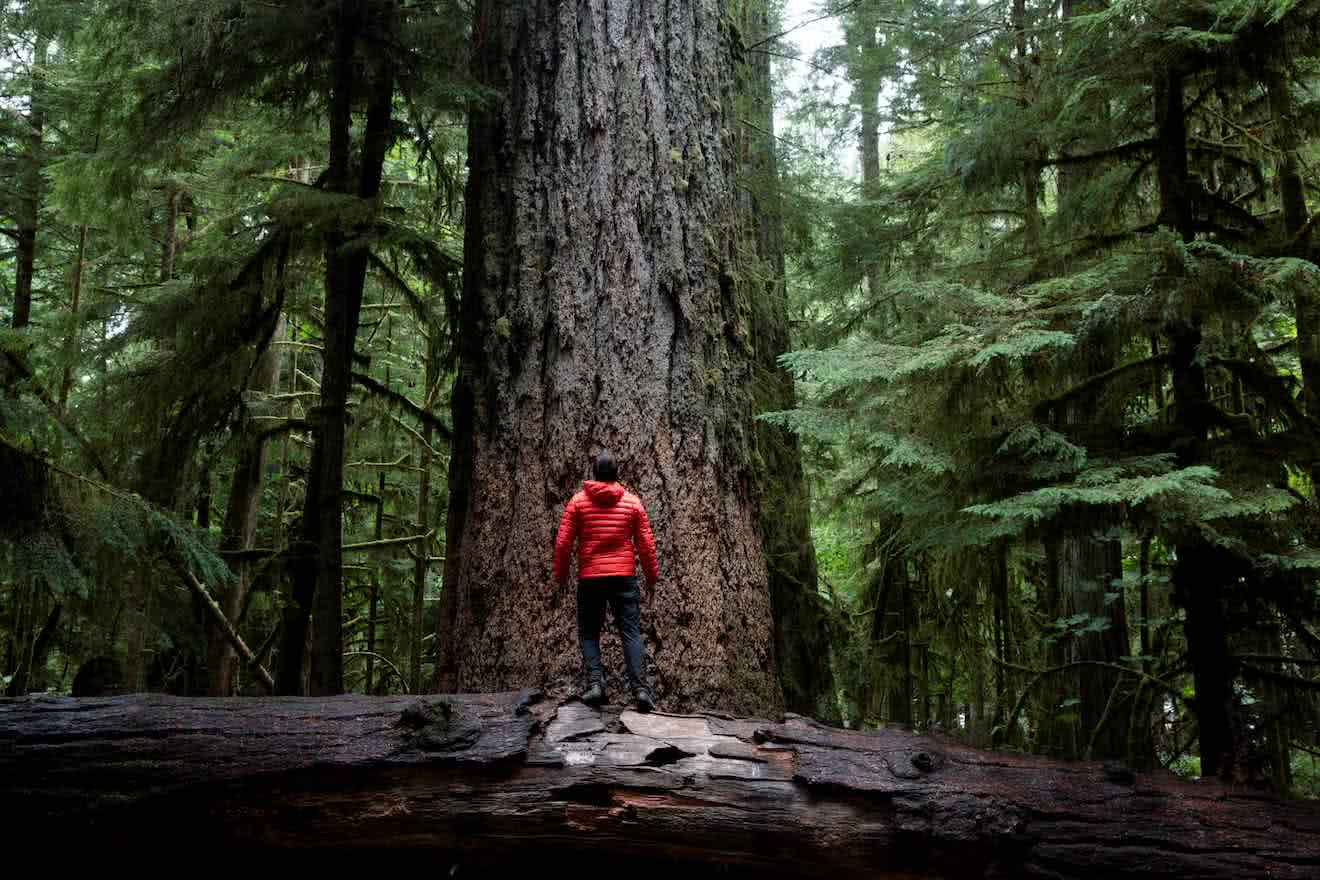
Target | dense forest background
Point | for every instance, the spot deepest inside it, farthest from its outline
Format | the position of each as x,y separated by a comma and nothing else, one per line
1028,292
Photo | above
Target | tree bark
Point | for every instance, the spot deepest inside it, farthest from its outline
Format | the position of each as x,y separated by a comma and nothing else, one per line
603,307
867,78
169,243
999,733
1171,125
374,599
507,780
1031,163
72,341
28,215
1084,567
317,569
887,685
422,561
1201,572
30,673
240,526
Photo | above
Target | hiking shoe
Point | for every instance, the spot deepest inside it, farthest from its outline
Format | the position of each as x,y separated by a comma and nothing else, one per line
645,701
594,695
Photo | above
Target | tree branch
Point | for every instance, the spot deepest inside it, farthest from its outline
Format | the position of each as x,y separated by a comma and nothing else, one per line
53,407
1101,379
1127,149
847,7
411,408
1281,678
387,542
403,681
235,639
286,427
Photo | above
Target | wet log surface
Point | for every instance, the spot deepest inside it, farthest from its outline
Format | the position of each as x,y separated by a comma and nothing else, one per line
505,779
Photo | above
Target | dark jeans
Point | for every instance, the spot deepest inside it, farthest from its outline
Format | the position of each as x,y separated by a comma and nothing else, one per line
626,602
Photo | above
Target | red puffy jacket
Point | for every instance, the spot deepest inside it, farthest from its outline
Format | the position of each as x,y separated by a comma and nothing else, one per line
606,520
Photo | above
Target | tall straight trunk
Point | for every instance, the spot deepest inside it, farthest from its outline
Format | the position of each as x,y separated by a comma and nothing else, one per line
976,720
1084,567
73,339
318,569
1201,572
1172,177
240,525
922,720
1003,645
169,241
603,307
1031,229
9,662
900,658
866,86
422,563
36,675
375,588
204,498
33,648
1144,567
28,213
887,690
1276,724
802,625
25,256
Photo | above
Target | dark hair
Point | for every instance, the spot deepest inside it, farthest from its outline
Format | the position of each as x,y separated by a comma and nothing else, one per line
604,468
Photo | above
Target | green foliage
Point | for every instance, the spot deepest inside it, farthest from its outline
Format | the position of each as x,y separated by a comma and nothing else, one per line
978,382
202,123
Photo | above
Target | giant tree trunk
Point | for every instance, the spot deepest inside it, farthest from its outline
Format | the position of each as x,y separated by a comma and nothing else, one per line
511,781
603,307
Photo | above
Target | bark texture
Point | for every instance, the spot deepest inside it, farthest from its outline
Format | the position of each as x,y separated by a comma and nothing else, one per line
1082,569
28,208
602,308
512,780
317,586
240,525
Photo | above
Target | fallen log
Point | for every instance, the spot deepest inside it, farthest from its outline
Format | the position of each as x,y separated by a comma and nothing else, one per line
513,779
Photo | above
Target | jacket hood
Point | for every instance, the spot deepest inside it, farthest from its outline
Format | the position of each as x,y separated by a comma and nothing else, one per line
603,494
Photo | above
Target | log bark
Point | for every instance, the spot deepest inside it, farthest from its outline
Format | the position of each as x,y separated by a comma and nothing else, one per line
514,779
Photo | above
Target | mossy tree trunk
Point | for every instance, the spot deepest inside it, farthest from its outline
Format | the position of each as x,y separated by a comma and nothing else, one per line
603,308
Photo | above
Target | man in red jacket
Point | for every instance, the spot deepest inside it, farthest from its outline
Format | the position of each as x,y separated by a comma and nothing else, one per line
606,521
